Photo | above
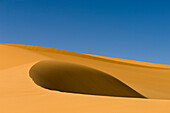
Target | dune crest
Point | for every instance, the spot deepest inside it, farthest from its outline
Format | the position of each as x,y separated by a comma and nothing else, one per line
45,50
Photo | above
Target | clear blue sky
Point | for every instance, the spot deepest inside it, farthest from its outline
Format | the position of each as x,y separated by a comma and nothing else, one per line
131,29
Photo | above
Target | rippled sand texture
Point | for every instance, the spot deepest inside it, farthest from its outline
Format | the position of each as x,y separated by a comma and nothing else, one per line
41,80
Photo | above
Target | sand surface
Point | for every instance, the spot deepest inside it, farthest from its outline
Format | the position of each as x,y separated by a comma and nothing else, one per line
89,83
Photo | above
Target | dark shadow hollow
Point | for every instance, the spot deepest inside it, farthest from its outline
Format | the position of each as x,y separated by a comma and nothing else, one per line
75,78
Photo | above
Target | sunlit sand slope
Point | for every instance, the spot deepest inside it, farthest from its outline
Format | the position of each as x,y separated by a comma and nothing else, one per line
20,94
11,56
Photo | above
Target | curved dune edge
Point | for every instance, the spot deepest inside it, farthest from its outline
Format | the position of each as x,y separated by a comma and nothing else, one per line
75,78
95,57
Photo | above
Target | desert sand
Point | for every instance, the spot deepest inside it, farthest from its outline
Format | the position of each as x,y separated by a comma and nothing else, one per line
45,80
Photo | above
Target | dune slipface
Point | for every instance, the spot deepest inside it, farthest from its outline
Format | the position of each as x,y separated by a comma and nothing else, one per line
75,78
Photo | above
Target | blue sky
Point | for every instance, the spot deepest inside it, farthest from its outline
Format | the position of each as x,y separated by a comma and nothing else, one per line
131,29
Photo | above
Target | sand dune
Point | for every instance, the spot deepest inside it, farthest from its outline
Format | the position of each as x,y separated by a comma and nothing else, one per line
89,74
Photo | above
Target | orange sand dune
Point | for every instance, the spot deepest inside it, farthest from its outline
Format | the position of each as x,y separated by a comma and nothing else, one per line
102,76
